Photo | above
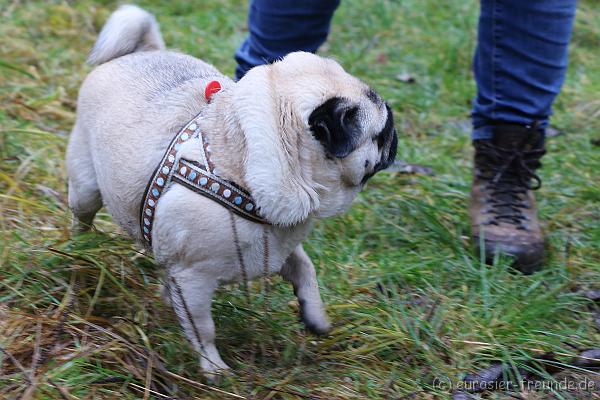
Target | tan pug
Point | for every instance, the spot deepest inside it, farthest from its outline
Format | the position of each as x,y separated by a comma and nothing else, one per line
301,135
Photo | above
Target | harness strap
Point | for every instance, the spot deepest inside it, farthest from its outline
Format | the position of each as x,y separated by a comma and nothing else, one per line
193,176
198,176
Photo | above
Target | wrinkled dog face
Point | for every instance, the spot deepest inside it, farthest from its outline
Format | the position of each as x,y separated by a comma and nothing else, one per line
360,138
354,126
360,134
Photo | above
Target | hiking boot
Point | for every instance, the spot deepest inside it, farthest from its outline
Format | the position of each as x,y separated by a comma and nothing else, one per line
502,206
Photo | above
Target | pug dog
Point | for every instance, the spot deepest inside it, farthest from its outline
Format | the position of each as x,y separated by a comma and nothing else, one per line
301,135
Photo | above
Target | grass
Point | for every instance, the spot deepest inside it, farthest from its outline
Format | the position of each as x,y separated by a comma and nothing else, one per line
412,306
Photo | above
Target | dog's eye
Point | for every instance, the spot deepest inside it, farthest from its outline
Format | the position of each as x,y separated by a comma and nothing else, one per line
379,139
349,117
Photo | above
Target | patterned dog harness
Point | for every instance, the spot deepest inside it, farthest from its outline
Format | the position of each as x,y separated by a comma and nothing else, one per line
197,175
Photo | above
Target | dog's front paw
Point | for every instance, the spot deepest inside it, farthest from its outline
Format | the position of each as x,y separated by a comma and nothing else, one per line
314,318
320,328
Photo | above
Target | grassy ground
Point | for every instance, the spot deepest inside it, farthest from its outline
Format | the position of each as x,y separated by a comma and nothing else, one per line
412,306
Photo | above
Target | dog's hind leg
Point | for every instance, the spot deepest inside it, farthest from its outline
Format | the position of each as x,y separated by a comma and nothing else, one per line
300,271
84,195
191,295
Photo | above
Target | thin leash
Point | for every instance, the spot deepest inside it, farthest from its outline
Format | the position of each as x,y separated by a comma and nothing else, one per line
240,257
242,264
188,313
266,286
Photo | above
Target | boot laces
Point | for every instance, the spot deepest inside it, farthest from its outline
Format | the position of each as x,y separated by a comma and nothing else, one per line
509,173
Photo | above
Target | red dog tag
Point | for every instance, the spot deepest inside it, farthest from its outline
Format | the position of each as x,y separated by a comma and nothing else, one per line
212,88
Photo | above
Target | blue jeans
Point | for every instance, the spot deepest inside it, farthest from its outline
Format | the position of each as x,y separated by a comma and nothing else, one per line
279,27
519,64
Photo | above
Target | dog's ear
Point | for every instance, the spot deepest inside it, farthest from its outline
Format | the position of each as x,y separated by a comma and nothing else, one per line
334,124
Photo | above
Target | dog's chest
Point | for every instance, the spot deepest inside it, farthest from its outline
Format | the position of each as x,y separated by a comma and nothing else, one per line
263,253
194,231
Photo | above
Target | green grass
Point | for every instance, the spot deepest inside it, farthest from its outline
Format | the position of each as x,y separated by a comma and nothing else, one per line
83,318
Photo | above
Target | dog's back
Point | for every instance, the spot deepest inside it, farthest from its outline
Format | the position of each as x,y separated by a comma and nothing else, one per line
129,107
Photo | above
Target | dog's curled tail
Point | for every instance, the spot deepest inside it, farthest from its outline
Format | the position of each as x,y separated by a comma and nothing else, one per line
129,29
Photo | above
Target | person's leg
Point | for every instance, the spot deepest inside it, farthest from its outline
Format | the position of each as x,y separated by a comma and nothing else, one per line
520,65
520,61
279,27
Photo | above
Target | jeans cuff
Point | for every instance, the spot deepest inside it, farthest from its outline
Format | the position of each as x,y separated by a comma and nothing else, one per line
486,132
483,132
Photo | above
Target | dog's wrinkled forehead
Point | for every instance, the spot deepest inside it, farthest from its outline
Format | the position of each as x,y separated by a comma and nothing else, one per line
310,80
